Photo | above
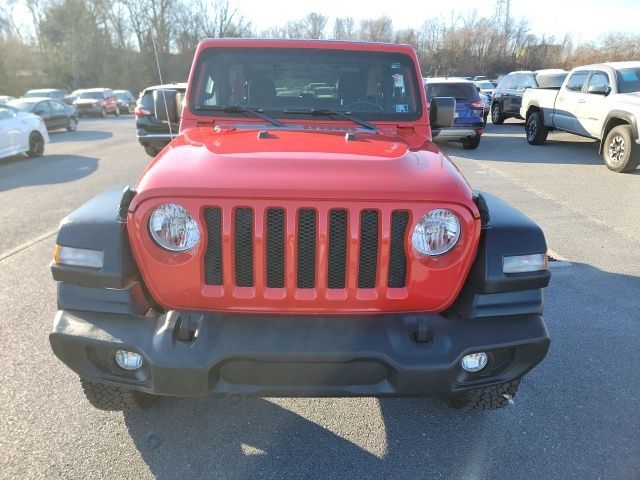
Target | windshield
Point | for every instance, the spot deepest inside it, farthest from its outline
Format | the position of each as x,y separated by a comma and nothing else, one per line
23,105
628,80
122,95
486,85
459,91
93,95
550,80
371,85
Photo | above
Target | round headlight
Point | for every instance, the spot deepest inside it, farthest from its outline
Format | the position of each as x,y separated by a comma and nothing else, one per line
436,233
173,228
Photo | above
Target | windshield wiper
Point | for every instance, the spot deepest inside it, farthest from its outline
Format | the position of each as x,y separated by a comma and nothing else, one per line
256,112
322,112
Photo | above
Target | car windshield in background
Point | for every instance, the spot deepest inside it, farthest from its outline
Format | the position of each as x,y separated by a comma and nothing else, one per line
36,94
93,95
486,85
628,80
122,95
550,80
370,85
24,105
459,91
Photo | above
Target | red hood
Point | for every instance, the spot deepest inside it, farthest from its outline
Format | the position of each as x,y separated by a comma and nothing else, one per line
305,164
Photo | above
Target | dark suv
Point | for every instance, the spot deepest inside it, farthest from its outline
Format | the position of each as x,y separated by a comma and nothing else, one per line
153,134
507,98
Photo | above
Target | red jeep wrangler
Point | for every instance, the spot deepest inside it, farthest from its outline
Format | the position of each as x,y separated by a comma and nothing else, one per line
301,236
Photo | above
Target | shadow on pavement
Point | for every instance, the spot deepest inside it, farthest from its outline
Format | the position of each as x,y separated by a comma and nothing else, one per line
507,143
45,170
78,136
250,438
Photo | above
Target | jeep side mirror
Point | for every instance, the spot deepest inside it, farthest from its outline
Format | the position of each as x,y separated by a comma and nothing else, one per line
599,89
168,105
442,112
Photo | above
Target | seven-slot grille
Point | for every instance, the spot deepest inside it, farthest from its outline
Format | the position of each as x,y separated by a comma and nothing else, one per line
307,242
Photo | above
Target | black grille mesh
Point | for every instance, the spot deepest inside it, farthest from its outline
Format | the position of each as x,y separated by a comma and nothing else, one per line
397,256
307,244
337,263
275,247
368,248
307,232
243,231
213,255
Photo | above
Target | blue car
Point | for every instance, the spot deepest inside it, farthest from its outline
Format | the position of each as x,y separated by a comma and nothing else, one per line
468,124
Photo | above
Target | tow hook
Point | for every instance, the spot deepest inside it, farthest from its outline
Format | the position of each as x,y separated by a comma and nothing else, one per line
420,331
185,325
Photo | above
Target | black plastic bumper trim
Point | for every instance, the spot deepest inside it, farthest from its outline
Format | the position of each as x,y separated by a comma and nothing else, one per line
296,356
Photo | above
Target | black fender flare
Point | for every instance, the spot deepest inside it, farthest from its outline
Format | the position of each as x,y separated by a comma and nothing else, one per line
619,115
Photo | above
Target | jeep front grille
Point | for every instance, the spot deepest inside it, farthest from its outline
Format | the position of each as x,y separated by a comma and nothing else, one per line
310,251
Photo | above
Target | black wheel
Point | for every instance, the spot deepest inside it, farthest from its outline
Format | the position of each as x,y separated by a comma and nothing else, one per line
487,398
108,397
620,152
103,112
497,117
151,151
36,145
72,124
535,129
484,118
471,143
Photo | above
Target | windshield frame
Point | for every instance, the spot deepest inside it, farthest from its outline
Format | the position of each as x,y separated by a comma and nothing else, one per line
413,78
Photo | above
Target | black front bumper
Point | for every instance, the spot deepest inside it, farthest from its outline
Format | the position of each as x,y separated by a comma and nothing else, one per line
298,355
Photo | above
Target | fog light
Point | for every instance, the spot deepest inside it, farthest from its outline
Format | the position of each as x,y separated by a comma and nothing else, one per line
474,362
128,360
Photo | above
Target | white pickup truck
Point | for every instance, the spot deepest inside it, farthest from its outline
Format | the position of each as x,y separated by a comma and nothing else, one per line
596,101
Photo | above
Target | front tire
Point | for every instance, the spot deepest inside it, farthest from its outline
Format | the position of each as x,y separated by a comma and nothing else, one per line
151,151
535,129
620,152
497,117
72,125
36,145
111,398
487,398
471,143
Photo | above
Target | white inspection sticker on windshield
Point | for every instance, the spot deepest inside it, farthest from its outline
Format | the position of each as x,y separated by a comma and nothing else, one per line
402,108
398,80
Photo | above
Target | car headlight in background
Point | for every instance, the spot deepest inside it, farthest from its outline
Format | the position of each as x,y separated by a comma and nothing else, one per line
173,228
436,233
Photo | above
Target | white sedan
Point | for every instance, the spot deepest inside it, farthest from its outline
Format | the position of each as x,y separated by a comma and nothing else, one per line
21,132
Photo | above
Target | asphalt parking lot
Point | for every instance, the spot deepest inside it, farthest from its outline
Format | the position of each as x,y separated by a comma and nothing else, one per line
576,415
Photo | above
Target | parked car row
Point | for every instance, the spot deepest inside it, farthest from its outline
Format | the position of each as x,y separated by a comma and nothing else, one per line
55,114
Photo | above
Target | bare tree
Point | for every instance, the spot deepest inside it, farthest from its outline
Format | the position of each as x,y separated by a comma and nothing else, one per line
344,28
377,29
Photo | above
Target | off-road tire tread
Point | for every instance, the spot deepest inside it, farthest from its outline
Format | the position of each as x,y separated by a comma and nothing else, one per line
112,398
541,134
634,153
487,398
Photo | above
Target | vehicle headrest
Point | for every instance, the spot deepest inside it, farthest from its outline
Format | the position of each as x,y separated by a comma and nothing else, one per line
261,91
